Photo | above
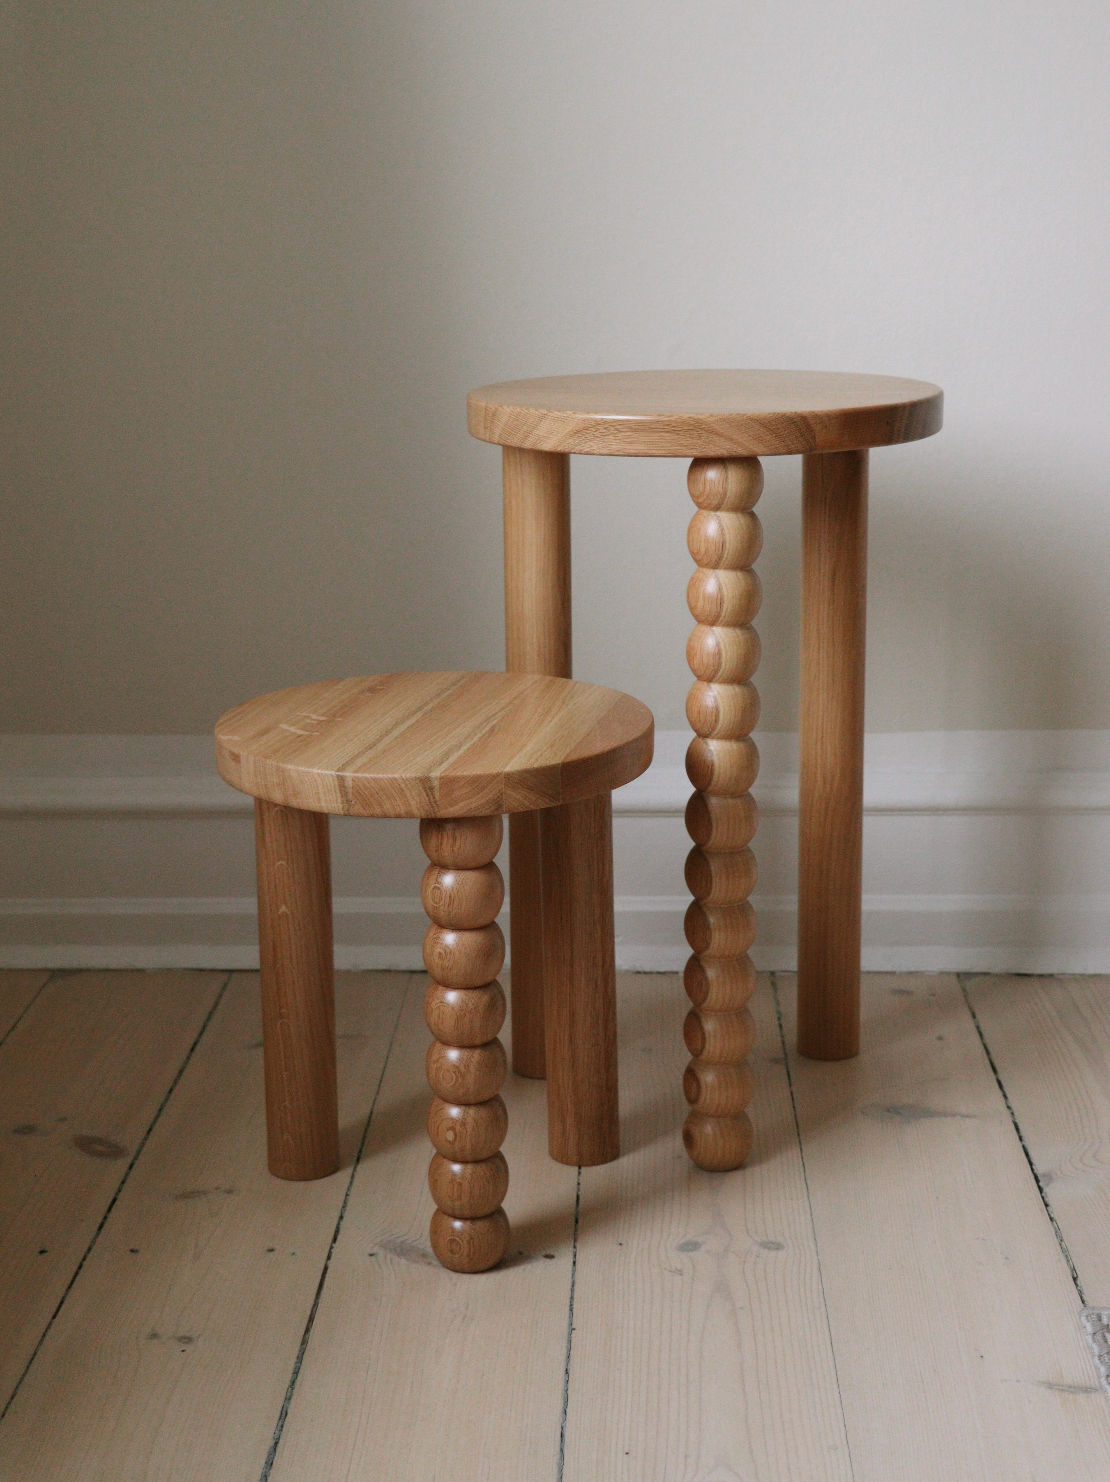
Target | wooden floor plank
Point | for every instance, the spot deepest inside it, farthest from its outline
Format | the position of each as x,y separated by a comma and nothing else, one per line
701,1349
1050,1041
82,1076
414,1374
17,990
173,1352
955,1322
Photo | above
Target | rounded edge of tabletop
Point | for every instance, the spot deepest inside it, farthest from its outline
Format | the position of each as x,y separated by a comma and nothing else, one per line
617,750
493,416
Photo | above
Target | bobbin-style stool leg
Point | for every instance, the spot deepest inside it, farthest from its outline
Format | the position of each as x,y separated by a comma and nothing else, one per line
536,488
830,814
462,893
725,538
298,990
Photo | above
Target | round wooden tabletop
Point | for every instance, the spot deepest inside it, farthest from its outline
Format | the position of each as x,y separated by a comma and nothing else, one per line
705,413
434,745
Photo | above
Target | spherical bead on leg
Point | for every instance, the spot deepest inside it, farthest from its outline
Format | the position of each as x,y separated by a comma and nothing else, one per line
725,483
717,1144
471,1016
467,1134
723,652
465,1007
469,1245
468,1191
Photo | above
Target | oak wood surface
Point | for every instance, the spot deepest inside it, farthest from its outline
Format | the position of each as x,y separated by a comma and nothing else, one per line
81,1079
440,1376
463,952
583,1125
705,413
434,745
172,1355
298,997
830,809
1050,1041
722,706
536,499
698,1297
724,538
17,990
954,1319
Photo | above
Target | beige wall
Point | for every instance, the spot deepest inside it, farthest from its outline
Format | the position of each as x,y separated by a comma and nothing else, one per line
261,250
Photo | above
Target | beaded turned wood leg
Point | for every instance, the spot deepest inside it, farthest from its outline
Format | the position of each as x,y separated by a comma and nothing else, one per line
724,595
298,990
462,893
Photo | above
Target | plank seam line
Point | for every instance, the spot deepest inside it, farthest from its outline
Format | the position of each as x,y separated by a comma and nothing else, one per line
119,1190
961,978
25,1010
570,1330
310,1321
812,1221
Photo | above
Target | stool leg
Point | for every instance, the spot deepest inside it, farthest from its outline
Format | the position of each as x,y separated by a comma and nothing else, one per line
724,595
834,601
583,1125
465,1007
537,641
298,990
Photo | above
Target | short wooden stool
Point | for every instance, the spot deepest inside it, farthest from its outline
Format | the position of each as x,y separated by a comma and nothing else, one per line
456,751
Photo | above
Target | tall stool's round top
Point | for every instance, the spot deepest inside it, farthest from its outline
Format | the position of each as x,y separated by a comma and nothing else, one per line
705,413
434,745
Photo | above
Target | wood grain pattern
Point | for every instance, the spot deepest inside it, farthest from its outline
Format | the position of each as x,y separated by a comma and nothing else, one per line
529,1047
705,413
81,1078
463,952
724,539
580,983
830,811
414,1373
536,502
700,1348
947,1293
17,990
172,1354
298,997
434,745
1050,1040
536,497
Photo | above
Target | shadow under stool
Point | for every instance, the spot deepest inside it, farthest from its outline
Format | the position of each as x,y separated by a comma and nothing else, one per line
456,751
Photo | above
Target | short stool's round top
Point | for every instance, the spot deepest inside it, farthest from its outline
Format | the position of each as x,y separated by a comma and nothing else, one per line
705,413
434,745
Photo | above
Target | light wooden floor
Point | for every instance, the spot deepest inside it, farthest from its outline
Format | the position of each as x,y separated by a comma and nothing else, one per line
891,1292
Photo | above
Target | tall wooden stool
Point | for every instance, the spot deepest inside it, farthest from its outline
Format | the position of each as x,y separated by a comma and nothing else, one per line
455,751
725,421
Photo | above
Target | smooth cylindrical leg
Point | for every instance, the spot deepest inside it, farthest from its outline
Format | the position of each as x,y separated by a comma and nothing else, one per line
724,595
537,641
526,932
462,893
834,604
583,1125
298,990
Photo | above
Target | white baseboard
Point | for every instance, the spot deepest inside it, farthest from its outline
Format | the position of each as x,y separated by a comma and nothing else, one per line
984,851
